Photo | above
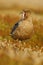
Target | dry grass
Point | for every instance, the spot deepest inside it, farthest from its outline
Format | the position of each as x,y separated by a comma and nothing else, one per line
17,52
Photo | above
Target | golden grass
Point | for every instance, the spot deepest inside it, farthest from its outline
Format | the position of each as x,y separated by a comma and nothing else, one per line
17,52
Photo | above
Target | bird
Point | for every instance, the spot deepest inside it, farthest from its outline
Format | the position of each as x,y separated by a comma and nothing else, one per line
24,28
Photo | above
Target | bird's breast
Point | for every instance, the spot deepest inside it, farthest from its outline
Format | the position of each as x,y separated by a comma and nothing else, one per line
24,29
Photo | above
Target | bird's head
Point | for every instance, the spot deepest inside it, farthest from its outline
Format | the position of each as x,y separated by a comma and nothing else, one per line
24,14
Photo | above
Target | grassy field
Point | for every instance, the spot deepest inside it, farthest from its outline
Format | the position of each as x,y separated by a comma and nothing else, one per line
17,52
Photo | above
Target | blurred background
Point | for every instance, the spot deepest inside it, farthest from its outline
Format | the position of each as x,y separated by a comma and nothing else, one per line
17,52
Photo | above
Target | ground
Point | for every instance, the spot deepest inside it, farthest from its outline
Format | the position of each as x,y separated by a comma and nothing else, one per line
17,52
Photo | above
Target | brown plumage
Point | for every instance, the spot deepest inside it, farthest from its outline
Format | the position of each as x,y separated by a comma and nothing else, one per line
25,28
